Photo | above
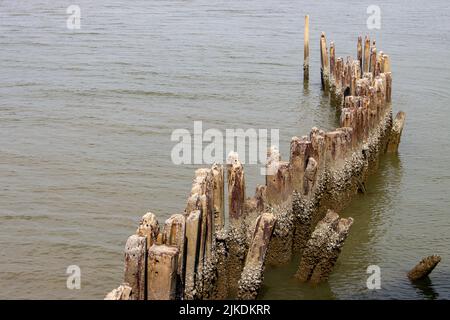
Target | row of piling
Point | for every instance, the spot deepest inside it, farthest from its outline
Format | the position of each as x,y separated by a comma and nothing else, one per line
202,254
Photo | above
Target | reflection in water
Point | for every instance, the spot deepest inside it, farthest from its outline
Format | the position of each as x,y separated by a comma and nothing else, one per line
424,287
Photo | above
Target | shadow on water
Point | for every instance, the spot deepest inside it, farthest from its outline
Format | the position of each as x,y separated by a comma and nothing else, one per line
425,288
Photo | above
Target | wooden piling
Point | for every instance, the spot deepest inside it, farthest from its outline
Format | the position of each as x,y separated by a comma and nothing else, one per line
323,248
236,190
149,228
278,180
299,154
306,51
359,50
396,132
123,292
252,275
218,197
162,272
324,69
424,267
366,54
332,60
193,226
174,234
135,266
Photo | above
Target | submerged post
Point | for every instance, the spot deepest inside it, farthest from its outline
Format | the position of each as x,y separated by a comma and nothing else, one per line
306,51
324,70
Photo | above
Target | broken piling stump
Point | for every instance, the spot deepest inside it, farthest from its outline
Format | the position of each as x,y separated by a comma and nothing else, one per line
252,275
396,132
149,228
123,292
323,248
162,270
424,267
135,266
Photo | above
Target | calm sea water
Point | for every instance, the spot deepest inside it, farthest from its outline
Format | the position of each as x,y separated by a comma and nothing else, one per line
86,117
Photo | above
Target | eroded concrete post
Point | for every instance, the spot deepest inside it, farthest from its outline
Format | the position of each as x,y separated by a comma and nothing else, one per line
162,272
135,266
252,275
323,248
424,267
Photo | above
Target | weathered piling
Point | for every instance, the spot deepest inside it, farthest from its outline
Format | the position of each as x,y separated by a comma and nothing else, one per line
424,267
193,225
218,196
236,190
174,234
162,270
123,292
306,51
148,228
323,248
135,266
324,67
366,54
396,132
252,275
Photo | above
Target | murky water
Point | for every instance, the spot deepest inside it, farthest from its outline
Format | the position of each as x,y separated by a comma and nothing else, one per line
86,119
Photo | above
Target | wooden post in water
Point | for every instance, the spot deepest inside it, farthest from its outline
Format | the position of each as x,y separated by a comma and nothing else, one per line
252,275
162,272
236,189
324,70
149,228
323,248
135,266
424,267
306,51
218,197
360,54
332,60
366,54
193,226
174,234
396,132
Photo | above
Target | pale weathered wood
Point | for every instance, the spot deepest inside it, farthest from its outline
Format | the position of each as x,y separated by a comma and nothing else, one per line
218,196
306,51
174,235
135,266
324,67
149,228
193,226
123,292
161,272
